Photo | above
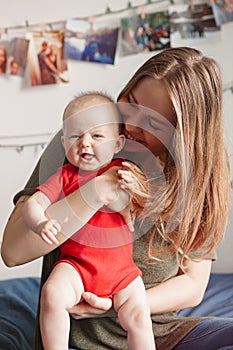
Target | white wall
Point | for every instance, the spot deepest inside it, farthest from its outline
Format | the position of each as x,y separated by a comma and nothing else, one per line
33,110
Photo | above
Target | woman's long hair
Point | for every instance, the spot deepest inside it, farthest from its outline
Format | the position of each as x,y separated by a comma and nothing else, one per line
198,181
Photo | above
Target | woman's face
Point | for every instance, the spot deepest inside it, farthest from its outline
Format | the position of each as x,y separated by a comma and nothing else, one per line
149,117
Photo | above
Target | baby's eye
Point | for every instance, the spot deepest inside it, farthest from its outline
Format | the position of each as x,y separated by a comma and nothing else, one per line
97,136
75,136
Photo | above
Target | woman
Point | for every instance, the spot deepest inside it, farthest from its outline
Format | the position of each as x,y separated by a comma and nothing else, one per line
173,115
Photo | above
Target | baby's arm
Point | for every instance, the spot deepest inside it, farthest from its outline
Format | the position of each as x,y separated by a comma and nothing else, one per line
34,216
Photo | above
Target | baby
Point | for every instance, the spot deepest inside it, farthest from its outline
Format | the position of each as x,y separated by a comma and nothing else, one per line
97,258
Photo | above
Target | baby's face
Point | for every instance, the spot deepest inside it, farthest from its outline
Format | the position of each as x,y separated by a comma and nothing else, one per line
91,137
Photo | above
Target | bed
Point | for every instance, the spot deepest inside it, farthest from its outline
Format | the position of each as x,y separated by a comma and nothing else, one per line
18,304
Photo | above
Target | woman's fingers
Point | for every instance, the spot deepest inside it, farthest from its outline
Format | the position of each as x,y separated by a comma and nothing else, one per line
92,306
97,302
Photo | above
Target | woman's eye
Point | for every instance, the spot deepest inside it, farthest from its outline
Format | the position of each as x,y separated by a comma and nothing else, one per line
153,124
132,104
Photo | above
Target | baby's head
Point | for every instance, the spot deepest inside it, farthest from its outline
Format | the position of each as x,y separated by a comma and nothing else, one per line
92,131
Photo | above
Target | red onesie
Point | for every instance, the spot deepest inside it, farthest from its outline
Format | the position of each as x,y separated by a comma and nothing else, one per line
101,251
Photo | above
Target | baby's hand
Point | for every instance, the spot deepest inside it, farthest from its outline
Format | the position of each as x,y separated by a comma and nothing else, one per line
48,230
128,180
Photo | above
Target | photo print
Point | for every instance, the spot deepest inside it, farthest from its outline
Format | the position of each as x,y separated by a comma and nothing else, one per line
146,33
90,41
13,56
223,11
3,56
193,25
45,58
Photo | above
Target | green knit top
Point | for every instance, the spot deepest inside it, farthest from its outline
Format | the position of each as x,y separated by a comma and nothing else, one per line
106,333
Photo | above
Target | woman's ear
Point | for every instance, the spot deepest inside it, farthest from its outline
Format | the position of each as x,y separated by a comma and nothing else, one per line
120,143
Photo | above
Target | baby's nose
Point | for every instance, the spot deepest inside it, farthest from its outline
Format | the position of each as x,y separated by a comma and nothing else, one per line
85,140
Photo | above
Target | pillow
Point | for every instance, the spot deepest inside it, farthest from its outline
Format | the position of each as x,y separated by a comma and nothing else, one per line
18,306
218,299
19,300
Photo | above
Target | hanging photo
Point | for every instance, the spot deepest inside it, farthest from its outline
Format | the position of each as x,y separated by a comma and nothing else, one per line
223,11
45,58
90,41
13,56
3,57
146,33
193,25
17,53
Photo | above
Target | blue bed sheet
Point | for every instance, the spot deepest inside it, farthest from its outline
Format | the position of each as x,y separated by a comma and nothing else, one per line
18,305
19,297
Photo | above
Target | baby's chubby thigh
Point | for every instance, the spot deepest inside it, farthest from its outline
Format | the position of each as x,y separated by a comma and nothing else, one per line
63,288
132,307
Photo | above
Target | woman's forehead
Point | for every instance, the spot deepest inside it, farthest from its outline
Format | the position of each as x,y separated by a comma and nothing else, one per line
152,94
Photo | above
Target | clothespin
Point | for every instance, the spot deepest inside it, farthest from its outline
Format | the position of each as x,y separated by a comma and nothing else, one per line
2,32
92,19
108,10
50,25
42,27
191,5
19,149
141,11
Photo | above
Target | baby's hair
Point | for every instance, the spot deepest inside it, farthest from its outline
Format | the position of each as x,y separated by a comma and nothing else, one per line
77,103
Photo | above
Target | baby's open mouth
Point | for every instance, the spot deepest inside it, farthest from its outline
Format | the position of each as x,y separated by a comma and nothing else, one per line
87,156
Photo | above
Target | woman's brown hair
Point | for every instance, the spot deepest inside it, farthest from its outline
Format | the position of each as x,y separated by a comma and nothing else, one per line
198,182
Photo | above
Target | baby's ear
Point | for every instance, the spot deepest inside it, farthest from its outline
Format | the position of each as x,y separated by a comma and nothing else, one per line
120,143
62,140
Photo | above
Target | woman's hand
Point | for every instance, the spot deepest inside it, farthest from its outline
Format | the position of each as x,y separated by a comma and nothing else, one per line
92,306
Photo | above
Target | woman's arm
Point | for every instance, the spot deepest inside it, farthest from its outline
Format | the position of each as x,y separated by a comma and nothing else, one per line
182,291
21,245
179,292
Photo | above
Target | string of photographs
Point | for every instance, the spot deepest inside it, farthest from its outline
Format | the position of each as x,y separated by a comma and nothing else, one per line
45,49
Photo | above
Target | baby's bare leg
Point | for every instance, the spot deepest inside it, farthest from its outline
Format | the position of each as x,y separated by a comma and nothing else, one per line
134,315
62,290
